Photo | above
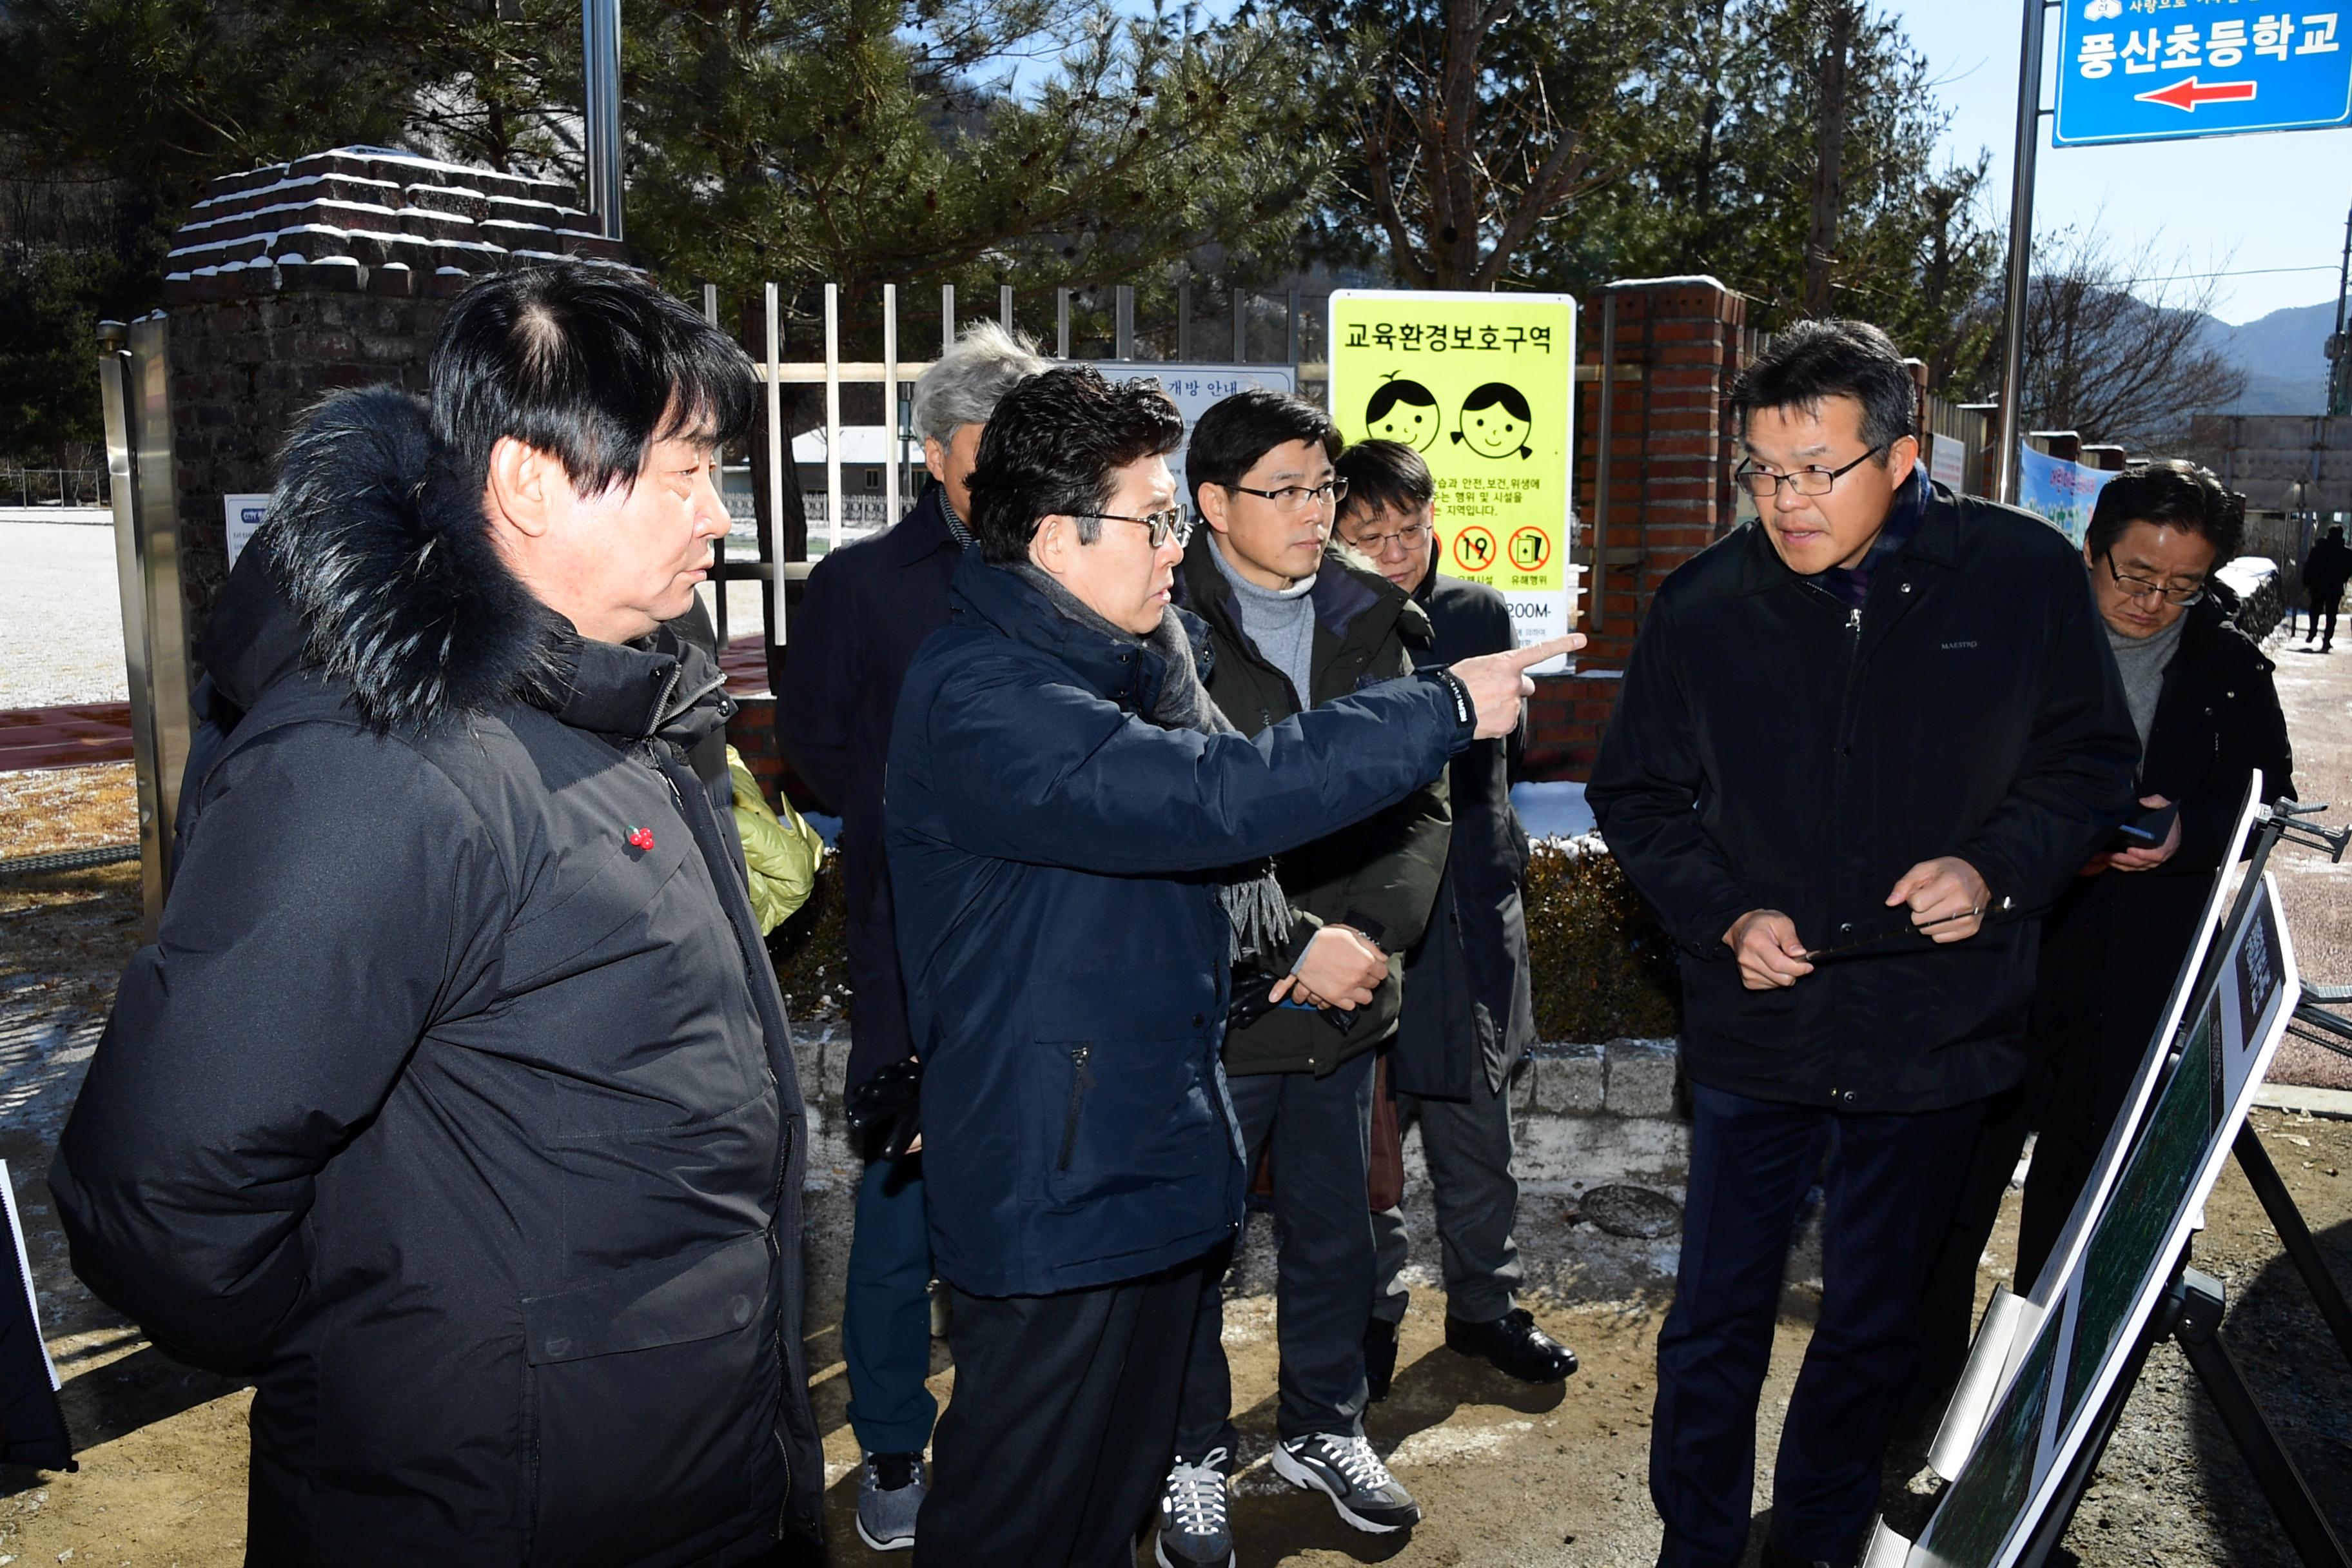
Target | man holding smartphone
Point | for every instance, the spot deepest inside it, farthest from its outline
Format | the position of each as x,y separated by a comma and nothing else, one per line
2206,714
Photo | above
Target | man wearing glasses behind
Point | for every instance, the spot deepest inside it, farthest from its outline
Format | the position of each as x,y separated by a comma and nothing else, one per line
1881,720
1292,628
2206,712
1469,1010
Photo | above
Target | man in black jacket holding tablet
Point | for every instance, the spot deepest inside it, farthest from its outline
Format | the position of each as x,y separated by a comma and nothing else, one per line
1861,741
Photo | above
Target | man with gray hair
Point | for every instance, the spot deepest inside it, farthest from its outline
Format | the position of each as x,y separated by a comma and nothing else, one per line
870,606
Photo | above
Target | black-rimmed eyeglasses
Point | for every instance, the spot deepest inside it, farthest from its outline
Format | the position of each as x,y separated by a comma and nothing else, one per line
1764,483
1175,523
1298,498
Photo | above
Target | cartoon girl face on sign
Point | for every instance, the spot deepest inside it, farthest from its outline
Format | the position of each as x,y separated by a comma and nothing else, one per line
1402,410
1494,422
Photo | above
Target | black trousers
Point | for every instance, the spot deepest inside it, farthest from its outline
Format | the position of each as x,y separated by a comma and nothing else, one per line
1891,1182
1468,1145
1947,1309
1320,1129
1061,1426
2322,605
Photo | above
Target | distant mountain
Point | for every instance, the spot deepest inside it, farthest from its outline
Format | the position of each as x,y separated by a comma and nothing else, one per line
2279,352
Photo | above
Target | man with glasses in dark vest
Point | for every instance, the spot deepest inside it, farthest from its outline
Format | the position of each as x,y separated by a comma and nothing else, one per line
1469,1008
1862,741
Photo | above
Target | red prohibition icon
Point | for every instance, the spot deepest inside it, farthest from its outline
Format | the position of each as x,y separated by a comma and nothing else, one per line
1474,549
1530,547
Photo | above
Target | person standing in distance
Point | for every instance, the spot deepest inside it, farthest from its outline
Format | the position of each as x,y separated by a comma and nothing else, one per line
455,1103
1469,1013
2326,568
1879,711
1077,841
870,606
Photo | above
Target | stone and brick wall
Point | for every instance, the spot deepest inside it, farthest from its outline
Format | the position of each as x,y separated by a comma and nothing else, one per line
290,282
1670,488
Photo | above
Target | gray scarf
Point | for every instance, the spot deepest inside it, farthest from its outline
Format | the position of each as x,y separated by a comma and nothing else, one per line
1254,901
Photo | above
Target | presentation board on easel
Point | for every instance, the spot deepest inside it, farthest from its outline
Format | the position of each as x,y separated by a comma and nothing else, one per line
2097,1301
2010,1319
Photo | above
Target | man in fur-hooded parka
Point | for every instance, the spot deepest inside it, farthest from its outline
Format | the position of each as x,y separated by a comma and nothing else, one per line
454,1105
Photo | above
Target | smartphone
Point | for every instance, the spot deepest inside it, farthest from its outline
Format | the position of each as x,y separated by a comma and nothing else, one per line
2147,828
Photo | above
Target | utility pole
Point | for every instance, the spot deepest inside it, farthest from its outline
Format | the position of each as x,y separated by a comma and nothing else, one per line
2339,347
600,110
1829,163
2020,252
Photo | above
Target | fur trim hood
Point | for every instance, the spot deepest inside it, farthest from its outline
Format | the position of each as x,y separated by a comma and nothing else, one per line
384,555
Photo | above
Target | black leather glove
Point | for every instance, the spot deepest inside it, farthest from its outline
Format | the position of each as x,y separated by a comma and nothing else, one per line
890,1103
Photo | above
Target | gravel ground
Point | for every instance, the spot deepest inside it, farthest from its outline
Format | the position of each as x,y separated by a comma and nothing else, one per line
1508,1475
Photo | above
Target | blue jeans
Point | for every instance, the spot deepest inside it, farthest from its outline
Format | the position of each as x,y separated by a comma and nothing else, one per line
885,1310
1893,1182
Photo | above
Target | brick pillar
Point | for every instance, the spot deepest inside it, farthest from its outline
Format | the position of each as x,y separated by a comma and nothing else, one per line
334,270
1670,486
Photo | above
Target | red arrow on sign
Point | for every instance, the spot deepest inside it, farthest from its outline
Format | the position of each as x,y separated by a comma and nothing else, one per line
2186,95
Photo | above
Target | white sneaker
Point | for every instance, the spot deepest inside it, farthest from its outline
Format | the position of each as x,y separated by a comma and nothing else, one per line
1195,1523
1346,1470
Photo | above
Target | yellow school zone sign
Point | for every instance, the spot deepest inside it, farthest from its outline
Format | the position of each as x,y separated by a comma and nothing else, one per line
1484,387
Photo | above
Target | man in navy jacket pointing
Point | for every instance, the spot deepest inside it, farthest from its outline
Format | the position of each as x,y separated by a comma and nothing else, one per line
1077,843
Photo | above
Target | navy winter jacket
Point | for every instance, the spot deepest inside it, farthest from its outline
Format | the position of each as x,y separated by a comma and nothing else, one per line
870,606
1056,859
1775,749
1469,1005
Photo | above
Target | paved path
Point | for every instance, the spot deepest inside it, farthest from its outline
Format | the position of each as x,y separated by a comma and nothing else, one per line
2316,691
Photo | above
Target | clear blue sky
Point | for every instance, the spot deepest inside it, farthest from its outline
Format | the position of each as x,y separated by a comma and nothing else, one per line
2244,203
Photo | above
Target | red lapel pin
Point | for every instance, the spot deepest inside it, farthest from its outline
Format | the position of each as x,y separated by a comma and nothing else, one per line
641,838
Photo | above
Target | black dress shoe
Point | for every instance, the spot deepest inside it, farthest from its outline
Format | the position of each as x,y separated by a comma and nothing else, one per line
1514,1344
1380,1359
1778,1556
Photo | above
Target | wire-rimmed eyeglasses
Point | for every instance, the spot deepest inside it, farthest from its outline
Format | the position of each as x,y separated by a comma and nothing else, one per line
2141,588
1175,523
1413,536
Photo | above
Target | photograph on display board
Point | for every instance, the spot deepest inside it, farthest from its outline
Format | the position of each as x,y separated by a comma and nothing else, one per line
2135,1237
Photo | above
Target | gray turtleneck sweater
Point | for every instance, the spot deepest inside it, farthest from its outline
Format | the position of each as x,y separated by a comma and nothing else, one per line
1281,622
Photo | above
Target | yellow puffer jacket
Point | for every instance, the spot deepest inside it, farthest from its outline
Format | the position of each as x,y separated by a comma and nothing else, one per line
781,856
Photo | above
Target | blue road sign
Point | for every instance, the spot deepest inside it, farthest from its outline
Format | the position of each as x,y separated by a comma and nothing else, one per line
2160,70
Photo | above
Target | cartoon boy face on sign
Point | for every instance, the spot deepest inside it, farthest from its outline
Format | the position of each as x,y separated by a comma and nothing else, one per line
1402,410
1495,421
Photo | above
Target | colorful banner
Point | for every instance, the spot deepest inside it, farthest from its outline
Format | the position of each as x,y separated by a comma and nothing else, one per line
1484,386
2061,491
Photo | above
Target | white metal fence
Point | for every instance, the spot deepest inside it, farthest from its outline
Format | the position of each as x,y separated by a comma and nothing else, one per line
835,518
